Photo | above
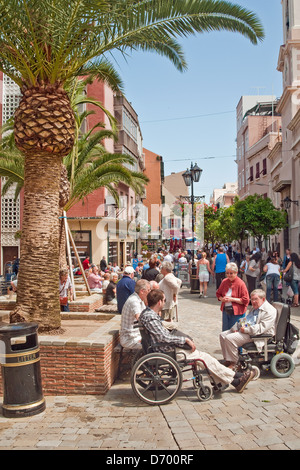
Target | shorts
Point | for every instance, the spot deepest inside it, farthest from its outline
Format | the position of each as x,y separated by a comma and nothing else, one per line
203,277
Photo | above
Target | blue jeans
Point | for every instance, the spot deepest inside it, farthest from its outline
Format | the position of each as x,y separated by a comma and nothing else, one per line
229,320
295,286
272,281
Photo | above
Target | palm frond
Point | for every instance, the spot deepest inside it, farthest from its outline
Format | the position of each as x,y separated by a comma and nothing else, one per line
55,40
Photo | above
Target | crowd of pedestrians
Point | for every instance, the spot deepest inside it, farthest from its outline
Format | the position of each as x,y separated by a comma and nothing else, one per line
148,291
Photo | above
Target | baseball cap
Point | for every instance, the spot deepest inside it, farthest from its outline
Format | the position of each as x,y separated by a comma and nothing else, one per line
128,270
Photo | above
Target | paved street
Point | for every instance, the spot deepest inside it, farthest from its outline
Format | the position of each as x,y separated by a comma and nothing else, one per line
265,416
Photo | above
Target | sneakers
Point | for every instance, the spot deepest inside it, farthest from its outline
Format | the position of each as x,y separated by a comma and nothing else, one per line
244,380
201,295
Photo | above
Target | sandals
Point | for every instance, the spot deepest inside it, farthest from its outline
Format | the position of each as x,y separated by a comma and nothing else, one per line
295,305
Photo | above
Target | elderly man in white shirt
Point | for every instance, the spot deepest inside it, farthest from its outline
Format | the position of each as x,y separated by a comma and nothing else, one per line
170,285
130,337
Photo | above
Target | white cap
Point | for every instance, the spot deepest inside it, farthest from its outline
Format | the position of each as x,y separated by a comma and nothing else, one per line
128,270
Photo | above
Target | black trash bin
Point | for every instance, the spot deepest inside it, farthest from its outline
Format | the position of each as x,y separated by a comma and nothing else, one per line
194,281
21,370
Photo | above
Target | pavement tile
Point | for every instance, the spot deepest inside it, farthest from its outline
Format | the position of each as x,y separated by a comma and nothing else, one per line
265,417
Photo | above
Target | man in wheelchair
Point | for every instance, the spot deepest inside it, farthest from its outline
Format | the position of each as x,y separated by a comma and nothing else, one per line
259,321
151,321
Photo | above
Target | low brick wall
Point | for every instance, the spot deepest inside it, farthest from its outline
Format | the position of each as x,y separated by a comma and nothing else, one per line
73,366
80,366
86,304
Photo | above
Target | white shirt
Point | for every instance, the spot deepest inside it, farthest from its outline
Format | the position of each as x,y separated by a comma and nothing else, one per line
64,287
228,294
273,268
133,306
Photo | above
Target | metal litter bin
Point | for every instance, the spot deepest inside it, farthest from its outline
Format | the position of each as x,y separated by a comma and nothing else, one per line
21,371
194,281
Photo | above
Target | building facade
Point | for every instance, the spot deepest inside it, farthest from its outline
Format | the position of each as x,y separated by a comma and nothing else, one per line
285,171
268,137
224,197
99,226
153,199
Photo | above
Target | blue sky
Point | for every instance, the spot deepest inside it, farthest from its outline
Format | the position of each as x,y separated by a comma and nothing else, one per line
190,117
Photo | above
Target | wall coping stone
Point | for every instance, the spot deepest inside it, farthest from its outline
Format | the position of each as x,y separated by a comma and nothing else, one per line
102,336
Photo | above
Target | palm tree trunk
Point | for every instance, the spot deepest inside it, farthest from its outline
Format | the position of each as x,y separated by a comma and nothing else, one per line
64,196
38,278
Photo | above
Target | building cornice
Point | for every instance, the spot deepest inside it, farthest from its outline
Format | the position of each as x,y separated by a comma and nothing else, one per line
288,91
275,150
295,121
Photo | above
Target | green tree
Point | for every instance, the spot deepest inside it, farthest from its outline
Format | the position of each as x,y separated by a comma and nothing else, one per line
44,45
258,217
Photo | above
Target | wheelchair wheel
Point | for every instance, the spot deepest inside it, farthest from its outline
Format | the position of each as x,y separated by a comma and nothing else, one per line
257,372
204,393
156,379
282,365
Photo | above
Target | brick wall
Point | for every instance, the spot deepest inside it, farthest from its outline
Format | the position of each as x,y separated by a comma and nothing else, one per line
80,366
77,370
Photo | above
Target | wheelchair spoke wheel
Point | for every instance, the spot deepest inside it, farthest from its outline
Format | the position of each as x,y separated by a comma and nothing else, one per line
156,379
204,393
282,365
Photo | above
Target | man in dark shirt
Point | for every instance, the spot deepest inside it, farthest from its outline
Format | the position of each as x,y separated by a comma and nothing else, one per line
125,287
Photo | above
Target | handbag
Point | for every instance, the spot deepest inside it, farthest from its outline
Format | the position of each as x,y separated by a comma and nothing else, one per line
63,300
229,310
289,275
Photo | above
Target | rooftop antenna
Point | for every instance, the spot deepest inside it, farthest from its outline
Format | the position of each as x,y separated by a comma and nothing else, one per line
258,88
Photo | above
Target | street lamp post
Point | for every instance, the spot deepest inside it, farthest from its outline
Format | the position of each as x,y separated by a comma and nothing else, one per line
190,177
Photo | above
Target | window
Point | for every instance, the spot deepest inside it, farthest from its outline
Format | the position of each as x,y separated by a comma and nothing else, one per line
264,171
257,170
11,98
129,125
251,174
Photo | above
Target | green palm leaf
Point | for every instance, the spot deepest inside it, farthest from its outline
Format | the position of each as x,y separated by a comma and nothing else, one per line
55,40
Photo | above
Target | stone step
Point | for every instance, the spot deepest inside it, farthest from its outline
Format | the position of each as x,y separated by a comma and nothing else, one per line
86,315
84,303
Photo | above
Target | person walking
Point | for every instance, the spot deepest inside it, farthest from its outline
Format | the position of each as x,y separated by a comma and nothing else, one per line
203,270
219,266
170,285
253,271
272,270
294,266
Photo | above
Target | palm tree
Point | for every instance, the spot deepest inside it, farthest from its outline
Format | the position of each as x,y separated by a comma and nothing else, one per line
44,45
85,169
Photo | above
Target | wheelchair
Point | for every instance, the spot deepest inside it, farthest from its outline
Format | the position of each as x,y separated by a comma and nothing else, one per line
277,350
157,378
